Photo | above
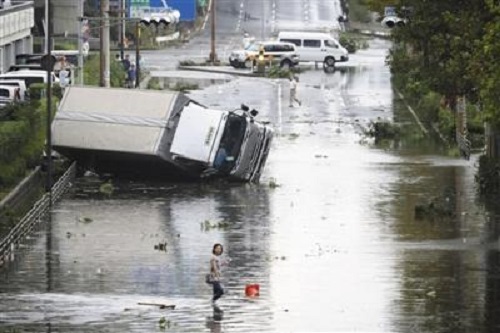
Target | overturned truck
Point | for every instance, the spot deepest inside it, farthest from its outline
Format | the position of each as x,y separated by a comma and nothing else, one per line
160,134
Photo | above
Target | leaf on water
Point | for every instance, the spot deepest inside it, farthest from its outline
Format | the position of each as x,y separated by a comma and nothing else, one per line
85,219
208,225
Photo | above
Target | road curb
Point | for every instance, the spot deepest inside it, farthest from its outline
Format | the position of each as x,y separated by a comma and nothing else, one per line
215,69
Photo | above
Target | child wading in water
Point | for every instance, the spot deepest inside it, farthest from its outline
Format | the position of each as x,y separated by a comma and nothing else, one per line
215,273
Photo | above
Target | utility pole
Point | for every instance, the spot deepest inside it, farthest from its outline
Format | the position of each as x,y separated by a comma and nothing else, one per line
46,25
123,7
137,54
213,56
104,44
49,68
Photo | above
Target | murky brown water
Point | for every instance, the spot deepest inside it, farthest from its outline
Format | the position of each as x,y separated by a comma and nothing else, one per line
335,246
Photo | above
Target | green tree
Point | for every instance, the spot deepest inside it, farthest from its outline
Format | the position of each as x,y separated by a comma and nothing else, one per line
486,67
440,43
92,70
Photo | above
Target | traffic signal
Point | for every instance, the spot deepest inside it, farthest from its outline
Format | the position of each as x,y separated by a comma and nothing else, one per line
393,21
396,18
158,19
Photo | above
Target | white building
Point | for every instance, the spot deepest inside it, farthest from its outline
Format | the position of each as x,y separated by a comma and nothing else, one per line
16,20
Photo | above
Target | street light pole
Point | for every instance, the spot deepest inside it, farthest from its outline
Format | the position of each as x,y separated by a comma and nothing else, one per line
48,139
122,28
213,56
137,54
46,39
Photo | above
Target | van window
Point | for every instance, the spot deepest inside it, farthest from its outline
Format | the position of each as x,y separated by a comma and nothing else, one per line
32,79
331,43
269,48
284,48
312,43
293,41
4,93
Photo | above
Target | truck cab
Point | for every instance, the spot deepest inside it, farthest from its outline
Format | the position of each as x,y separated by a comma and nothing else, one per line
229,143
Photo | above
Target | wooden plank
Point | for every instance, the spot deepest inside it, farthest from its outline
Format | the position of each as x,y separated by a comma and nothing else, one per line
160,305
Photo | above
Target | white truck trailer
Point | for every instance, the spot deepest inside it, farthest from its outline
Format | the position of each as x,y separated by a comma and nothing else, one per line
161,134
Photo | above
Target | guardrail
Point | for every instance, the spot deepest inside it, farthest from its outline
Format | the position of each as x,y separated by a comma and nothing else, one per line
34,216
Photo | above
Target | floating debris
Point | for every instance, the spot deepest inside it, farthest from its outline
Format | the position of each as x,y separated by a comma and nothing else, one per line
273,183
85,219
208,225
161,247
164,323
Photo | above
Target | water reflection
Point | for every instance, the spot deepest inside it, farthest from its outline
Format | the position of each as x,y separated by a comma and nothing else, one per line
114,255
335,244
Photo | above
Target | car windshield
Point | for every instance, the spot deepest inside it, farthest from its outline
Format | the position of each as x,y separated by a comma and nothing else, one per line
229,148
252,47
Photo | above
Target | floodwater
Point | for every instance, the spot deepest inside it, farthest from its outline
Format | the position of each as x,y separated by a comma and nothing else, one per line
330,233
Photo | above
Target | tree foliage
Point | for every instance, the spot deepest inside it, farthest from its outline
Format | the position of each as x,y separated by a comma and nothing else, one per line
486,68
450,47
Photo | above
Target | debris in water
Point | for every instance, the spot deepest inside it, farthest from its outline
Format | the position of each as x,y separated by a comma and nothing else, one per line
161,247
208,225
273,183
85,219
107,188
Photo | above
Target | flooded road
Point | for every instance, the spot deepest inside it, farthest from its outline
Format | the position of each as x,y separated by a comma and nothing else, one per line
330,233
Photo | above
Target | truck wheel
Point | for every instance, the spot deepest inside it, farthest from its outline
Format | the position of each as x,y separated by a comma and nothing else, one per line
248,63
286,64
329,62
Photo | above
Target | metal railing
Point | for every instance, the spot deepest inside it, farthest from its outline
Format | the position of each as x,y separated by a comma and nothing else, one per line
35,215
16,6
464,145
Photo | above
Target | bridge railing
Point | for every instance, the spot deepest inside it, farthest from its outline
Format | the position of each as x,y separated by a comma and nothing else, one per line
35,215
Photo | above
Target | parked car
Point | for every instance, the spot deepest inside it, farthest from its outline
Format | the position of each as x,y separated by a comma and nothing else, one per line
316,47
18,84
283,54
147,133
29,76
10,93
21,67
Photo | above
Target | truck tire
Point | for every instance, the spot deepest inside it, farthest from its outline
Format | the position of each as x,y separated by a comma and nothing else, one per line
329,62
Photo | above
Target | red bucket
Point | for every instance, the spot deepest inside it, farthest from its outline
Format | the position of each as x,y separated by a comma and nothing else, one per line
252,290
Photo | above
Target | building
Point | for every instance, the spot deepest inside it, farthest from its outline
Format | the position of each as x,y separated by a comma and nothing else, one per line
17,18
65,15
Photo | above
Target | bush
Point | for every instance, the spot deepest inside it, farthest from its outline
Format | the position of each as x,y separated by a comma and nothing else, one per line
382,130
349,43
38,91
183,87
488,176
278,72
154,84
92,72
22,139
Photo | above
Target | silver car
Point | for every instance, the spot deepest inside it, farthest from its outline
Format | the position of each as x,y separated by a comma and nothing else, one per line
281,53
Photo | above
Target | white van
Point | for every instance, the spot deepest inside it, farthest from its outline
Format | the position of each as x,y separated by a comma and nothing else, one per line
315,46
17,84
9,94
29,76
